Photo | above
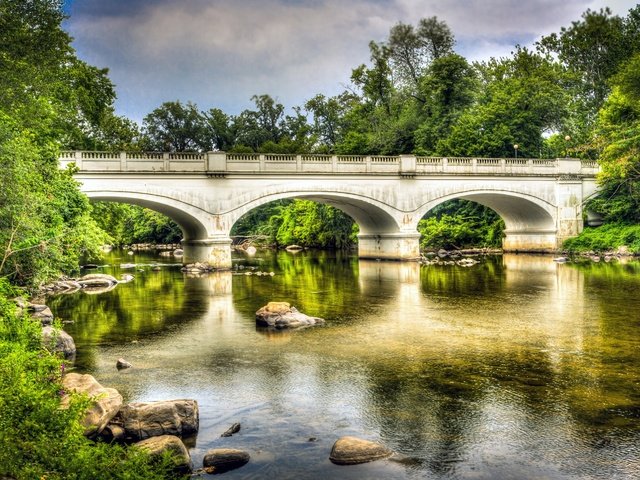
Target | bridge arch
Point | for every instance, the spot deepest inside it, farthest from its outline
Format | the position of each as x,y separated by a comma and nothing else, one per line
372,216
529,220
191,220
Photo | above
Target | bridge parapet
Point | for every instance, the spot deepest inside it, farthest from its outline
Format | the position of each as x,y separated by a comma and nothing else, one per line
258,163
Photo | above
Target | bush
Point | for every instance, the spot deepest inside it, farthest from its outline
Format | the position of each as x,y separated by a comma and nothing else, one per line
605,238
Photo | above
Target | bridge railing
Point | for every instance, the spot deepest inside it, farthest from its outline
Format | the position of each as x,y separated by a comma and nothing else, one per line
405,165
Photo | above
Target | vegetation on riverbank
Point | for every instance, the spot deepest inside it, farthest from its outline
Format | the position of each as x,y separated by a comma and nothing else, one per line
38,439
48,99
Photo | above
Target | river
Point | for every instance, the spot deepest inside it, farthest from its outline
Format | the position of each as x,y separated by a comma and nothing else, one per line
515,368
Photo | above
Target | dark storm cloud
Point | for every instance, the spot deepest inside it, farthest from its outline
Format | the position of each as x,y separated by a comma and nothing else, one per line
220,52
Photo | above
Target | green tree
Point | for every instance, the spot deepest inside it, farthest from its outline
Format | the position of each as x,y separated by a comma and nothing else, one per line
177,127
592,50
523,98
618,135
311,224
411,50
461,224
44,104
449,89
218,126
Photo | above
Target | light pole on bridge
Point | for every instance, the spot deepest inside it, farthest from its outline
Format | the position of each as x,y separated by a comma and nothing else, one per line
567,139
515,150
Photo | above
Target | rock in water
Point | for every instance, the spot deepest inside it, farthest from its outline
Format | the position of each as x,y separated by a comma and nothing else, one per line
97,280
235,428
122,364
149,419
156,446
42,313
282,315
222,460
352,451
105,401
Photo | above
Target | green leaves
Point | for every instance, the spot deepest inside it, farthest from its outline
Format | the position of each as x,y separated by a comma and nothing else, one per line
460,224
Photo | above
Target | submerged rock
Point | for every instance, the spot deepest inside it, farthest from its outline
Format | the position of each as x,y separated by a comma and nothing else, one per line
222,460
353,450
157,446
105,402
198,268
282,315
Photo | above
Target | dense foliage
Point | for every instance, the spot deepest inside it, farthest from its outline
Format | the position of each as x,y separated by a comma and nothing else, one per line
48,99
461,224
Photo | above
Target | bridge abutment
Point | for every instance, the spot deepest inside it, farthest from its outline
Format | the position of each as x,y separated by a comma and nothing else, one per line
214,251
389,246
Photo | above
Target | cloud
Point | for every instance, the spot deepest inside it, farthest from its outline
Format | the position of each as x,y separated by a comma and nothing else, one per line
220,52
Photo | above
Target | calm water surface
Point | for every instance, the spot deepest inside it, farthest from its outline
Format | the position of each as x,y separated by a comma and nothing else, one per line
516,368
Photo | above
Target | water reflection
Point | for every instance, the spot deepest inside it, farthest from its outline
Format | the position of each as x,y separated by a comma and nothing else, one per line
514,368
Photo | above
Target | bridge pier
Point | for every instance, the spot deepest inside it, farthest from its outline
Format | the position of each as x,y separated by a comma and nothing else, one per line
532,241
389,246
214,251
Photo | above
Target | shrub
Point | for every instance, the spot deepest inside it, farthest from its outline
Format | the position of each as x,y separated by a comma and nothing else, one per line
605,238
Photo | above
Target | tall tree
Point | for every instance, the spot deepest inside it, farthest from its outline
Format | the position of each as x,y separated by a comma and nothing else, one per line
449,89
592,49
411,50
618,136
44,222
253,128
218,127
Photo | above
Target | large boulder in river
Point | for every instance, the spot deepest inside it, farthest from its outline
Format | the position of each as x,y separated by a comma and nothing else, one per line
58,341
157,446
353,450
282,315
105,402
142,420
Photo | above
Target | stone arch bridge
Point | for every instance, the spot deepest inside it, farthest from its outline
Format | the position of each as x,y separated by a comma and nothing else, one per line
541,201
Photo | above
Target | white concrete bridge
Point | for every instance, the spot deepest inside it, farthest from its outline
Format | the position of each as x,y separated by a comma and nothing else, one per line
540,200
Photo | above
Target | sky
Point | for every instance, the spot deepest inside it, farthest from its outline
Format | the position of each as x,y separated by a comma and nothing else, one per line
218,53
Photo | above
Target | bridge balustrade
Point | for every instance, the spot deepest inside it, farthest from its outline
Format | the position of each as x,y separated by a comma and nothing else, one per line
405,165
